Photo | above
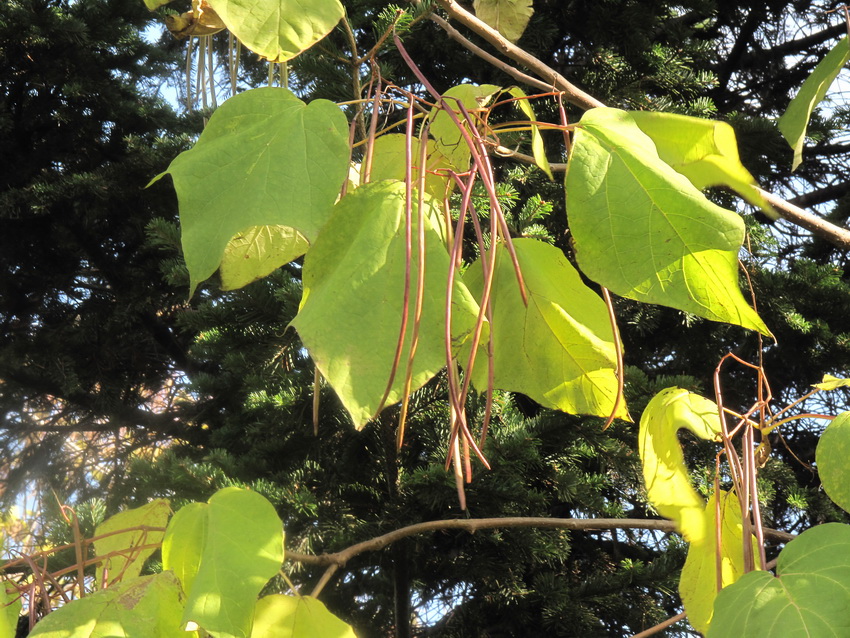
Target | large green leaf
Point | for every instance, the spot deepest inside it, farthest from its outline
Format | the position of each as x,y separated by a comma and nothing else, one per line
559,350
508,17
280,616
184,542
795,120
668,485
128,559
243,549
278,30
351,310
257,252
10,609
143,607
265,159
449,139
704,151
832,453
644,231
698,583
809,596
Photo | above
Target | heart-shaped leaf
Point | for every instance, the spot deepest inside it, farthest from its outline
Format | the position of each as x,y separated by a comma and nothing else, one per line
644,231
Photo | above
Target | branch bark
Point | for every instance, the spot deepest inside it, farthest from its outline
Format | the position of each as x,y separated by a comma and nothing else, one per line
553,79
340,558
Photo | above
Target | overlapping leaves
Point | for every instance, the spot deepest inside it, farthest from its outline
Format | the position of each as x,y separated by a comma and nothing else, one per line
559,349
265,159
352,307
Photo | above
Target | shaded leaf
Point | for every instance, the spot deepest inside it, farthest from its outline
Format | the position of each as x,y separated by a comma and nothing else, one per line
810,596
508,17
351,309
668,485
243,549
698,583
390,158
128,564
280,616
265,159
537,147
143,607
831,457
644,231
278,30
449,139
704,151
795,120
559,350
257,252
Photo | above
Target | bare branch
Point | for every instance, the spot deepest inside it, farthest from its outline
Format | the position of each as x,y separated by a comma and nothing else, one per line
554,80
340,558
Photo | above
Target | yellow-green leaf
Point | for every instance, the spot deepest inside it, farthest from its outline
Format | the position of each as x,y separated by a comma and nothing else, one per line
559,349
831,383
795,120
10,606
184,541
278,30
642,230
279,616
449,139
242,549
704,151
537,147
264,158
129,558
508,17
351,309
698,582
258,251
831,456
668,484
390,157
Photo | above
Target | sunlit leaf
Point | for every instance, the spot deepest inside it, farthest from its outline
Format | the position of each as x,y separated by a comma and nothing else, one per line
809,596
264,159
668,485
390,157
243,549
143,607
184,542
698,583
831,456
278,30
449,139
257,252
128,563
704,151
154,4
644,231
795,120
559,350
537,147
280,616
831,383
351,309
10,605
508,17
